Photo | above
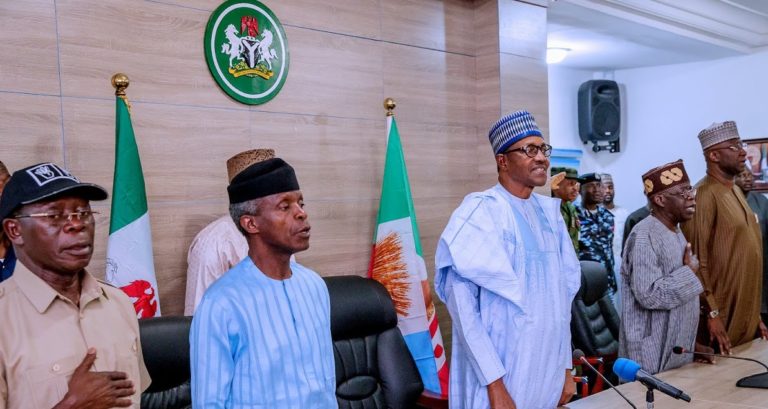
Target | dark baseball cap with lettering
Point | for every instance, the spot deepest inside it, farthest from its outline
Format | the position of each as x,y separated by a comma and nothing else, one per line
42,181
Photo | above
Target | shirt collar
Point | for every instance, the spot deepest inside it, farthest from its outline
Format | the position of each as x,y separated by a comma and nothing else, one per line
42,295
726,182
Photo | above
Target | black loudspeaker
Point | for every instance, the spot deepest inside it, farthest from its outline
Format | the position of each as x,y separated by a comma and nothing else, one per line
599,112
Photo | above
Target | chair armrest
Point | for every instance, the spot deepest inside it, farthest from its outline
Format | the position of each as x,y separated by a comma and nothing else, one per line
583,382
431,400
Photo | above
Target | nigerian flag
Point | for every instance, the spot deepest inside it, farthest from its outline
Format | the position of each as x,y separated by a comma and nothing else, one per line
397,262
129,251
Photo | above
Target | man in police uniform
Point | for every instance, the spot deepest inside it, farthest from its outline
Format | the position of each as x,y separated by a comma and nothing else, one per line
68,340
596,231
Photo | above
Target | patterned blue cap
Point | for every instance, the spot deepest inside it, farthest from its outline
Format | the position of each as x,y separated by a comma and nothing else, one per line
512,128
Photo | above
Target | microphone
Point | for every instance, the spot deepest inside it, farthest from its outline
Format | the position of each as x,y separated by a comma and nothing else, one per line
759,381
578,355
630,370
680,350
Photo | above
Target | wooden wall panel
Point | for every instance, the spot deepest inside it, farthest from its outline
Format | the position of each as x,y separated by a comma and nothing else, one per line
359,18
157,45
430,86
30,130
331,74
486,21
183,149
325,151
524,86
522,29
28,51
351,17
342,236
437,159
441,60
439,25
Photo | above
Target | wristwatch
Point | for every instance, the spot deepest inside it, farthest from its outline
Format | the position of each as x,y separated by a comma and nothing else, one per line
714,313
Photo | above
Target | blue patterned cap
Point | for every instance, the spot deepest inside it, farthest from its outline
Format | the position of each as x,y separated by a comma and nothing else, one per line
512,128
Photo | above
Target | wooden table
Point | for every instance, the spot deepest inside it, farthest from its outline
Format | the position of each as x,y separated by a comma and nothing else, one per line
709,386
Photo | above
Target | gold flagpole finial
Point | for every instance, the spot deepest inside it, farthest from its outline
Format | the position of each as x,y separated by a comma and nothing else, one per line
389,105
120,81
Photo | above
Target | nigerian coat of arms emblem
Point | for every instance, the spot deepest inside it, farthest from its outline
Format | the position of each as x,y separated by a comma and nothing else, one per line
247,51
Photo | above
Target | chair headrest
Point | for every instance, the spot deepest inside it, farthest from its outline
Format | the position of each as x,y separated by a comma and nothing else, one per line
594,281
359,307
165,346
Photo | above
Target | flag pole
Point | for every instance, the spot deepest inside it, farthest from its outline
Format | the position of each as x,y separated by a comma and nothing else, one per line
120,81
130,261
389,105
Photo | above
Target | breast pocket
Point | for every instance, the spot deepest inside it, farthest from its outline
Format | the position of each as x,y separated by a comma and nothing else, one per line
127,360
47,383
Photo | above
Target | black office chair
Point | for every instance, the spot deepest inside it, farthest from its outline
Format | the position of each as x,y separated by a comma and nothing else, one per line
374,368
594,320
165,345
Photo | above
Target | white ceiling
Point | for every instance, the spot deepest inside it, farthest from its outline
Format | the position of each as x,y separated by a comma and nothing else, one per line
618,34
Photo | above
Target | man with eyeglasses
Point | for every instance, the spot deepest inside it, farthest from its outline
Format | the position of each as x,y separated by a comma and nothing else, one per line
596,231
759,204
725,236
507,271
659,283
68,340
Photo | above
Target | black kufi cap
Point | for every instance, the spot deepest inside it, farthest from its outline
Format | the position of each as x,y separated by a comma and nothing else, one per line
262,179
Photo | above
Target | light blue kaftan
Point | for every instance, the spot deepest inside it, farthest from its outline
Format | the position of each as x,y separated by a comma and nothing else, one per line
507,271
260,343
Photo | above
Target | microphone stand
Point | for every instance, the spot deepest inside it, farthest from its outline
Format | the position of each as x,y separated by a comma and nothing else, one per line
649,398
758,381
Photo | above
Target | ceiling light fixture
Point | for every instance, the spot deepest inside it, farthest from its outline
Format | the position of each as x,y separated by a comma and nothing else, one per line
556,54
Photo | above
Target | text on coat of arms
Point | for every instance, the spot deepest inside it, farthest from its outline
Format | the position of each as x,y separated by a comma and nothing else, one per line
250,52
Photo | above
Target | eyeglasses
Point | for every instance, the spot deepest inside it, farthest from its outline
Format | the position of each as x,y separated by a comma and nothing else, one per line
58,219
735,147
686,193
532,150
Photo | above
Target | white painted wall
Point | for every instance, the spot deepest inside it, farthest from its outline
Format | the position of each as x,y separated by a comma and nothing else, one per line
663,109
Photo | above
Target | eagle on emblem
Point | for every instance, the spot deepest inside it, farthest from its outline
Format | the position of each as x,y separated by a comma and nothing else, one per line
249,54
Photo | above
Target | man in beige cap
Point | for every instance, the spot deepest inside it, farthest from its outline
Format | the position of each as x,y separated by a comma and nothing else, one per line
725,235
220,245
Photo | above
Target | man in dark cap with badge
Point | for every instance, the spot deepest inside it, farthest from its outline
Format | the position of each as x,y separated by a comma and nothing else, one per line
261,336
725,235
596,231
68,340
507,271
565,185
661,291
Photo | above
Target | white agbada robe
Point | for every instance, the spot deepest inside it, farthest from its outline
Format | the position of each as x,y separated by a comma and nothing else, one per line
507,271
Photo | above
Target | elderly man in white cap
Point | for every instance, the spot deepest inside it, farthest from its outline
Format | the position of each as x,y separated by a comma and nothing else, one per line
725,236
507,270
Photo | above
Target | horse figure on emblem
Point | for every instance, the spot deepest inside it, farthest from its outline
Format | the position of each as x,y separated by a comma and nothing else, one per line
235,47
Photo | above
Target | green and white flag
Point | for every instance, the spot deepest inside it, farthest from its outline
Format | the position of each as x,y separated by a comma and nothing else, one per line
129,252
397,262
